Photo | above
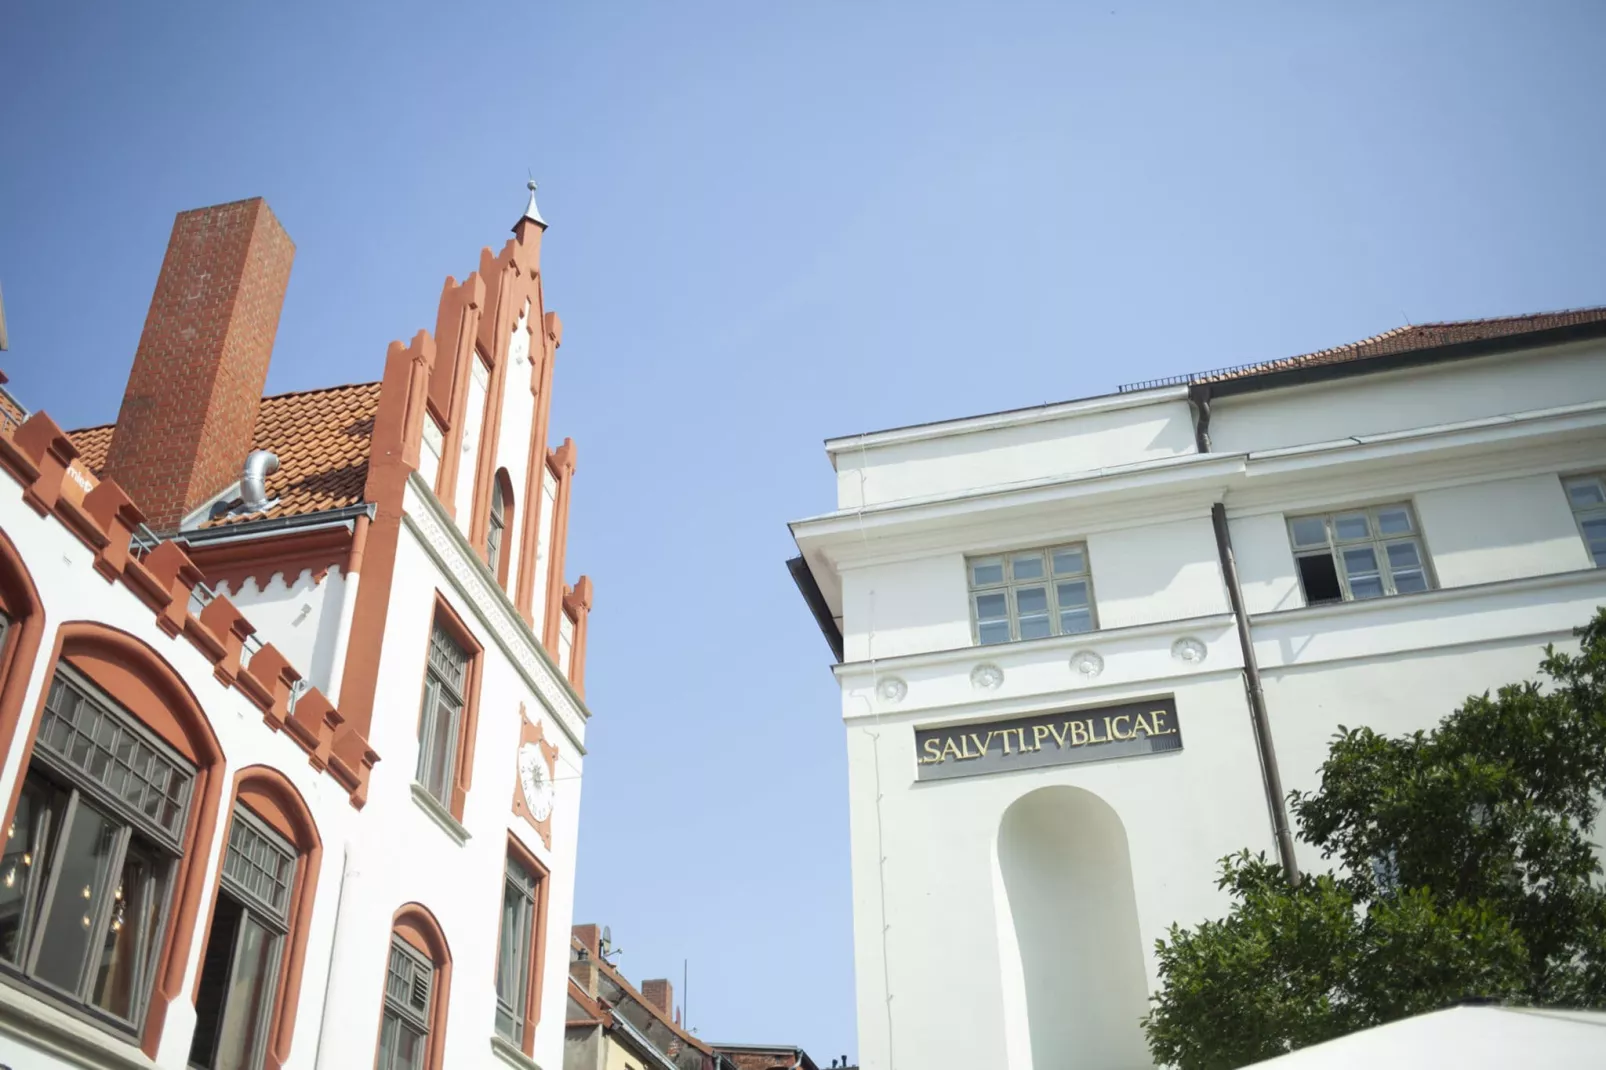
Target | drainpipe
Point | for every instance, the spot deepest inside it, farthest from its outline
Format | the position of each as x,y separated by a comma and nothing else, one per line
1271,776
348,608
334,949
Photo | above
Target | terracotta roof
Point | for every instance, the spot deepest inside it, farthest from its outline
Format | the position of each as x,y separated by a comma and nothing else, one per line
321,437
1417,336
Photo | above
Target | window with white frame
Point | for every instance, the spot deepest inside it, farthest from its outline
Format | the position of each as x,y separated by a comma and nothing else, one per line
1359,553
89,856
1588,497
1030,594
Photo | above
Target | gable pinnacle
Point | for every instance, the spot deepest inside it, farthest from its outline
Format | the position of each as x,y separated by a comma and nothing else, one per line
531,212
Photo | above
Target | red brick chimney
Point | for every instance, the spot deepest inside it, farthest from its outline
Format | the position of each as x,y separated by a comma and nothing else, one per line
661,994
191,405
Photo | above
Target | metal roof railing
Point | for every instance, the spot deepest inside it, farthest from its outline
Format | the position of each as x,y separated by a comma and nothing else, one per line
1188,378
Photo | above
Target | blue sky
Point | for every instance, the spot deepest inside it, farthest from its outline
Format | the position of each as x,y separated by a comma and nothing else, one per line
772,223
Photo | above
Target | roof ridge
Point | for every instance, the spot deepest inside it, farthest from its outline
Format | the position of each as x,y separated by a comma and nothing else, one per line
1578,311
320,390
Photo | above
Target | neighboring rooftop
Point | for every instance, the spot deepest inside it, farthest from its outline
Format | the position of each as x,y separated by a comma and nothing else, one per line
321,437
1407,339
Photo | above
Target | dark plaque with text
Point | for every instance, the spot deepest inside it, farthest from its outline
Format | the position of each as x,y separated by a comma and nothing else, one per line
1148,726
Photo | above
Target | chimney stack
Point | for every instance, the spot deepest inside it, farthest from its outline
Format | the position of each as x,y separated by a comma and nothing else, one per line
660,994
590,938
190,408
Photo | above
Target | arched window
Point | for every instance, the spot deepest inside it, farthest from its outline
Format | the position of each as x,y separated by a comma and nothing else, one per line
22,623
497,544
412,1028
107,834
250,977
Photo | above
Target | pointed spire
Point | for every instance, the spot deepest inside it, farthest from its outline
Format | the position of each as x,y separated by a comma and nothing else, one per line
531,212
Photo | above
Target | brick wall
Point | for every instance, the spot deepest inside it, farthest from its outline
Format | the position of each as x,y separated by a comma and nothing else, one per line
187,416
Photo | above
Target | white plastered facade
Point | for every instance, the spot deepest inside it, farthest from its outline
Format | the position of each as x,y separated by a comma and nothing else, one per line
951,876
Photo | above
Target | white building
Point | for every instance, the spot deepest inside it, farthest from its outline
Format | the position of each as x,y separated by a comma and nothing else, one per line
1054,732
292,780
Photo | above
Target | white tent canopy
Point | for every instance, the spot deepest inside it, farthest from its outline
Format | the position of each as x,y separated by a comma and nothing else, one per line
1467,1038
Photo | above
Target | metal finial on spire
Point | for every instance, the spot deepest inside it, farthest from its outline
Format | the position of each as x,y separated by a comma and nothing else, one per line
532,213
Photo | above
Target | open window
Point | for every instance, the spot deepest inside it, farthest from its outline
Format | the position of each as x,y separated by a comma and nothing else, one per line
246,993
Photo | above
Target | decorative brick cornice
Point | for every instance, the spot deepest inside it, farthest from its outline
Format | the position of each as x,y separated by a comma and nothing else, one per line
39,458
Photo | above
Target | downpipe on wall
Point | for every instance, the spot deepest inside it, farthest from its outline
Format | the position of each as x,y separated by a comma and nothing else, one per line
1270,775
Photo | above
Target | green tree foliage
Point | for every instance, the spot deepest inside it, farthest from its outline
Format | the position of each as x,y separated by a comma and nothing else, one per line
1465,870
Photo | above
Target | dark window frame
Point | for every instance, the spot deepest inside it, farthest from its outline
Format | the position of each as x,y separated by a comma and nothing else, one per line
66,779
250,839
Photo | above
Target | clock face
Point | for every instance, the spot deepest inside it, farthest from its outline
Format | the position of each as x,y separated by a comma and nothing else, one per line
535,782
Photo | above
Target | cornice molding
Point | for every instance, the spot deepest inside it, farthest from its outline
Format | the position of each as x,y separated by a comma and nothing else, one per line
451,552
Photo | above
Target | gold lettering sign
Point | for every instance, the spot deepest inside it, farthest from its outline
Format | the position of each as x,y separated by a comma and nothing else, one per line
1036,740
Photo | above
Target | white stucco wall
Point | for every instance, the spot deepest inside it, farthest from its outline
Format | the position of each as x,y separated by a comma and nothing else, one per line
934,906
890,467
411,858
300,616
1393,401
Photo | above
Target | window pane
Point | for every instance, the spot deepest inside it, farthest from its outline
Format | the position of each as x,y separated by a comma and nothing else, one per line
250,994
1595,535
512,958
22,871
1031,611
1395,521
1403,555
83,864
1310,531
216,960
1075,620
1069,562
1072,595
1351,526
1586,492
440,746
1026,566
1319,576
408,1050
130,941
1360,567
1359,561
987,570
1410,582
993,633
991,607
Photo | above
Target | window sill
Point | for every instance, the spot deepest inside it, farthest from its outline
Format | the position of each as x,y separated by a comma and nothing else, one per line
511,1054
55,1033
439,814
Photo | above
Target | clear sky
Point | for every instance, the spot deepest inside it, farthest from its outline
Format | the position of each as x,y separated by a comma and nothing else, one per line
772,223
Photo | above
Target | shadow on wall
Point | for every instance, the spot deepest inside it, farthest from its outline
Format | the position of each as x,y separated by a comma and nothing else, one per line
1071,947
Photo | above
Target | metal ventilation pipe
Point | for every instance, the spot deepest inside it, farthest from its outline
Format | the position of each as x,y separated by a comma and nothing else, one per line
259,465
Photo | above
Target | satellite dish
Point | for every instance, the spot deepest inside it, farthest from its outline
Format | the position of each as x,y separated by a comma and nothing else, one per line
607,936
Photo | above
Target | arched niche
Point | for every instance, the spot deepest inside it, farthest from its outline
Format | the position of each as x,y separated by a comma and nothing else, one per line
1071,942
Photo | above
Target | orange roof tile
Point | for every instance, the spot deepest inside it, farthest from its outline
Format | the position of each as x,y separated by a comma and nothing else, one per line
320,436
1418,336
